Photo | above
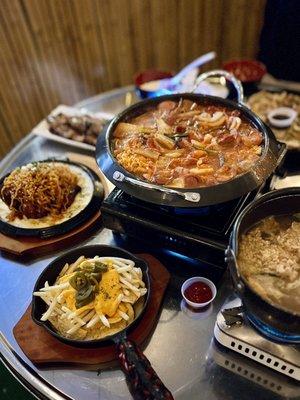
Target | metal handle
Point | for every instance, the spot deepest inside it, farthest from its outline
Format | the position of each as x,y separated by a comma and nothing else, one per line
232,264
189,196
143,381
227,75
281,155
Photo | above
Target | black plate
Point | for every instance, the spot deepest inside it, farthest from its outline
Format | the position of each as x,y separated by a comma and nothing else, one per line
51,272
60,229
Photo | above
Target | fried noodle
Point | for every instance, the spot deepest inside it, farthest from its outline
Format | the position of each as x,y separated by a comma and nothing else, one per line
37,190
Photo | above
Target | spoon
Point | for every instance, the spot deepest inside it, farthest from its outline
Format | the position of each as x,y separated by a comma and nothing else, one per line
169,83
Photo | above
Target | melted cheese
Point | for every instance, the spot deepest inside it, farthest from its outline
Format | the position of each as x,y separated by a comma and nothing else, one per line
106,301
69,296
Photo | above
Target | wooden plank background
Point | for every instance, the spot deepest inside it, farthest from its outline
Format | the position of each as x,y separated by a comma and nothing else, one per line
62,51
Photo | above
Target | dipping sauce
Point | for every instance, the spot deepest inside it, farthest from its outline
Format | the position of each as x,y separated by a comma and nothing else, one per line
198,292
280,116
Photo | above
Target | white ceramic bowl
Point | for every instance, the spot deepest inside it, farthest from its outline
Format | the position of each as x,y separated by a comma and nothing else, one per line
188,282
289,113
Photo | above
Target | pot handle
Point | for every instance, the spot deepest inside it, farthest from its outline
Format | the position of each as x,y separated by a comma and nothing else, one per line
188,196
280,170
227,75
230,259
143,381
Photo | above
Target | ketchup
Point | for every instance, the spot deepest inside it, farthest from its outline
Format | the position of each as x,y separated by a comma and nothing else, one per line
198,292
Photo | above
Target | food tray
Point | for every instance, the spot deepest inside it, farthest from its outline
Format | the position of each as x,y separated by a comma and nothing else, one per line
20,246
179,348
42,128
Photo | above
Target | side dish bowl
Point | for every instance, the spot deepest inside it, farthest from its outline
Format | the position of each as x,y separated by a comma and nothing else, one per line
247,71
146,76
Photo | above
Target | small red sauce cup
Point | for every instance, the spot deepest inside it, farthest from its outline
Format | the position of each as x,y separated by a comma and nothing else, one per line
197,279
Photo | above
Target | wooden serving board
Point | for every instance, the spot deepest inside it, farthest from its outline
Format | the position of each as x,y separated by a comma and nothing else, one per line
45,350
23,245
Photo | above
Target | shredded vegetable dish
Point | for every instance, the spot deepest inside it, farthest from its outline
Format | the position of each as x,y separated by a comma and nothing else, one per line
186,145
93,297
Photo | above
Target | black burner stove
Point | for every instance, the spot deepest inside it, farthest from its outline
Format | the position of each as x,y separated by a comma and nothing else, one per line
201,234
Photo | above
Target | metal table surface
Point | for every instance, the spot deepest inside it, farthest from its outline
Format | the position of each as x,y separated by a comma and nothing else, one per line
181,349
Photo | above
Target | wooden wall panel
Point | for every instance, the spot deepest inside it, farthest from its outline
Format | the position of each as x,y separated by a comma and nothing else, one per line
61,51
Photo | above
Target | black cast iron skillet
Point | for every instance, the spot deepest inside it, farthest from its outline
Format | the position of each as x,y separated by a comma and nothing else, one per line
143,381
68,225
261,312
272,154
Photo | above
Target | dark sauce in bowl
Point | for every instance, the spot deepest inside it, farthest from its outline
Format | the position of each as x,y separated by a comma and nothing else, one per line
281,116
198,292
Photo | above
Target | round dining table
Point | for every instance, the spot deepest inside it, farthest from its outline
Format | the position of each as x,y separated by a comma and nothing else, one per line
182,348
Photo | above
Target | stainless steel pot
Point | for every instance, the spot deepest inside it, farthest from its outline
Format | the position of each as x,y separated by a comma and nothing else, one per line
281,324
273,153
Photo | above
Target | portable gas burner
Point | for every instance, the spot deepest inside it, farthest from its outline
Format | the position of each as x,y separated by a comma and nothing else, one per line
263,378
234,331
199,233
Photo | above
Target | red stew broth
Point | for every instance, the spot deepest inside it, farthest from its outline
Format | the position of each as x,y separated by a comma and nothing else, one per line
187,145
